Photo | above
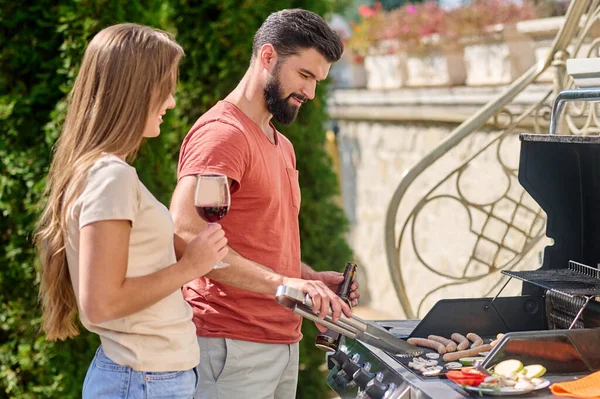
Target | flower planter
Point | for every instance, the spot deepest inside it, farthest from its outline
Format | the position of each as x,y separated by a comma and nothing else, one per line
358,75
500,61
386,71
437,68
348,74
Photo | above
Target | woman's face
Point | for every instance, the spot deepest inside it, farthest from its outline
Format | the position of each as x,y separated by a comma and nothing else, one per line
152,128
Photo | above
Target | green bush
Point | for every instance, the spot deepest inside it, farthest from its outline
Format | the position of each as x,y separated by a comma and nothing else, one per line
41,46
40,49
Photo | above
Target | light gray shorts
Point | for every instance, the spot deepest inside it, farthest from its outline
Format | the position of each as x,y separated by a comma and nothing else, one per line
230,368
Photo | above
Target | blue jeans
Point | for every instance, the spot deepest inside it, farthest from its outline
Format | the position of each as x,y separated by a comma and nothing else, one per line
106,379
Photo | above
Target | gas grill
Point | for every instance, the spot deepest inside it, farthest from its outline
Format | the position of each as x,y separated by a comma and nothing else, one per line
556,320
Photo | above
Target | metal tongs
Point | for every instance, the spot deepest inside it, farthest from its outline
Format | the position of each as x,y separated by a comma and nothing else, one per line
353,327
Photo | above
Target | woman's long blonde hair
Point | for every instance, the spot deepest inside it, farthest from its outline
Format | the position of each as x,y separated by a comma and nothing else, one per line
127,71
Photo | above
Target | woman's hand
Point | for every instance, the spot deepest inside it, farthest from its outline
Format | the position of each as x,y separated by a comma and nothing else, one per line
206,249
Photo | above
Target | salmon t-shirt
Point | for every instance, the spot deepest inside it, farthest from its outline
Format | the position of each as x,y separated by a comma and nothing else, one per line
261,225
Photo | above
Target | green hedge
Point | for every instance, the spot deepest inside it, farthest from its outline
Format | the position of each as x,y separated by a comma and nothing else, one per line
40,48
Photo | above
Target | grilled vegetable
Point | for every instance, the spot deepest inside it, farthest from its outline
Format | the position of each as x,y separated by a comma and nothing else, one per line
508,367
468,377
468,361
534,370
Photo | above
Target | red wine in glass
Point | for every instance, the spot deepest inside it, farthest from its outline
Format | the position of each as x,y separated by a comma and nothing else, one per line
212,214
212,200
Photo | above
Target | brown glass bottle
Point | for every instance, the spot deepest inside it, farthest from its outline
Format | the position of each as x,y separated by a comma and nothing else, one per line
330,339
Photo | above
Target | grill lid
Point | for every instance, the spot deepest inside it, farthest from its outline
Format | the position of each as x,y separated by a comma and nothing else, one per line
562,174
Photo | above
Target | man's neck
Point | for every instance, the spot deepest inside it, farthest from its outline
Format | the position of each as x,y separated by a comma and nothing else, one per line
248,96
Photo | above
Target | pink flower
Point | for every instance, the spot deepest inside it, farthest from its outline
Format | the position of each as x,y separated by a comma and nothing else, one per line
411,9
405,29
365,11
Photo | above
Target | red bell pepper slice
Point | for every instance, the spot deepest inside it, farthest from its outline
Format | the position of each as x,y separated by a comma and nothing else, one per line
462,377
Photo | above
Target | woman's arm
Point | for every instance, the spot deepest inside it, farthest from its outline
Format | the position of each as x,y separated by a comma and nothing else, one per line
104,290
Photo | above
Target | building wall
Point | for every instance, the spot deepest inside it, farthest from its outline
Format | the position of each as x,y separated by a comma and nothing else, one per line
377,149
393,111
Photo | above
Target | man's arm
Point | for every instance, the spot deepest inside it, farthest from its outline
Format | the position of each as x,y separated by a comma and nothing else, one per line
244,273
180,245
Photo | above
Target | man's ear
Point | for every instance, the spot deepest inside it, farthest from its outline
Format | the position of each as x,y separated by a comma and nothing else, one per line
268,57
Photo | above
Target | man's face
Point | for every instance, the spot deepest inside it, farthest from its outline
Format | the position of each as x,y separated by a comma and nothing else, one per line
293,82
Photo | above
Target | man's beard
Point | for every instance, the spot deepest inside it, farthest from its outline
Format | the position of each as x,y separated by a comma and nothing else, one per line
278,105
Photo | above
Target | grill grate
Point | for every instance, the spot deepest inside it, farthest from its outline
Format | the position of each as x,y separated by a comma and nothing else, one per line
576,280
561,310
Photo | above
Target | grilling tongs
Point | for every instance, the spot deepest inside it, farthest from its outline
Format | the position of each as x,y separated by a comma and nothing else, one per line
353,327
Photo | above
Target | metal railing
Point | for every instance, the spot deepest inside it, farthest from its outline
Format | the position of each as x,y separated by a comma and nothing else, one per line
524,220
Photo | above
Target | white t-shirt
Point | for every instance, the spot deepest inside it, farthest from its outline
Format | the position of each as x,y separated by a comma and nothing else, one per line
161,337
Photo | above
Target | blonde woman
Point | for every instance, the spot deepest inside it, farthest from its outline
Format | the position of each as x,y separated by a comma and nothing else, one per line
106,245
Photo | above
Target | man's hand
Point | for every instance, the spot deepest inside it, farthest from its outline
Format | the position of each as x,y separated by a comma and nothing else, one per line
322,297
333,279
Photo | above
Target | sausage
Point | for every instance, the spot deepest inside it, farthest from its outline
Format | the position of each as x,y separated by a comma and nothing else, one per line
428,343
497,340
463,342
476,339
454,356
448,343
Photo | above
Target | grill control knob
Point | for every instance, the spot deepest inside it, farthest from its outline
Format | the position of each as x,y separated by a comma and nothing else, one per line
350,366
376,389
390,391
337,359
341,379
363,376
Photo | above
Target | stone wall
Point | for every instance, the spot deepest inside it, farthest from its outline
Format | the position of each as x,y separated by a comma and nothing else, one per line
382,135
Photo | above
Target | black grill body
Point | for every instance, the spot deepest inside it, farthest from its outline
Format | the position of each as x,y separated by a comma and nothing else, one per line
556,320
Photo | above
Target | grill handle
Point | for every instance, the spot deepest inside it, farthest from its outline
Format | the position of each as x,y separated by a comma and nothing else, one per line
590,94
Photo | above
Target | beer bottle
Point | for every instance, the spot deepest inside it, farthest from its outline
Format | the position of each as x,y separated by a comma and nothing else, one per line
330,339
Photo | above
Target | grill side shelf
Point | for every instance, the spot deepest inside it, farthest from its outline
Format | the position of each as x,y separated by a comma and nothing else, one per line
573,281
578,280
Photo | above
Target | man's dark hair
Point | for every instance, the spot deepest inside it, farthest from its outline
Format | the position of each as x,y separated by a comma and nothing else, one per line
290,31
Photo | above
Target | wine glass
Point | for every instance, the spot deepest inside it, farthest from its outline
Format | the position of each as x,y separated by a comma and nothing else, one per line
212,200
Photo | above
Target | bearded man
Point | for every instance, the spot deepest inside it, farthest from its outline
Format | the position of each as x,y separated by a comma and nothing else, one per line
249,343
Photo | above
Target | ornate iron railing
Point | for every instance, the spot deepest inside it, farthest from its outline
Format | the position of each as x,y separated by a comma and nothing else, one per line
519,223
